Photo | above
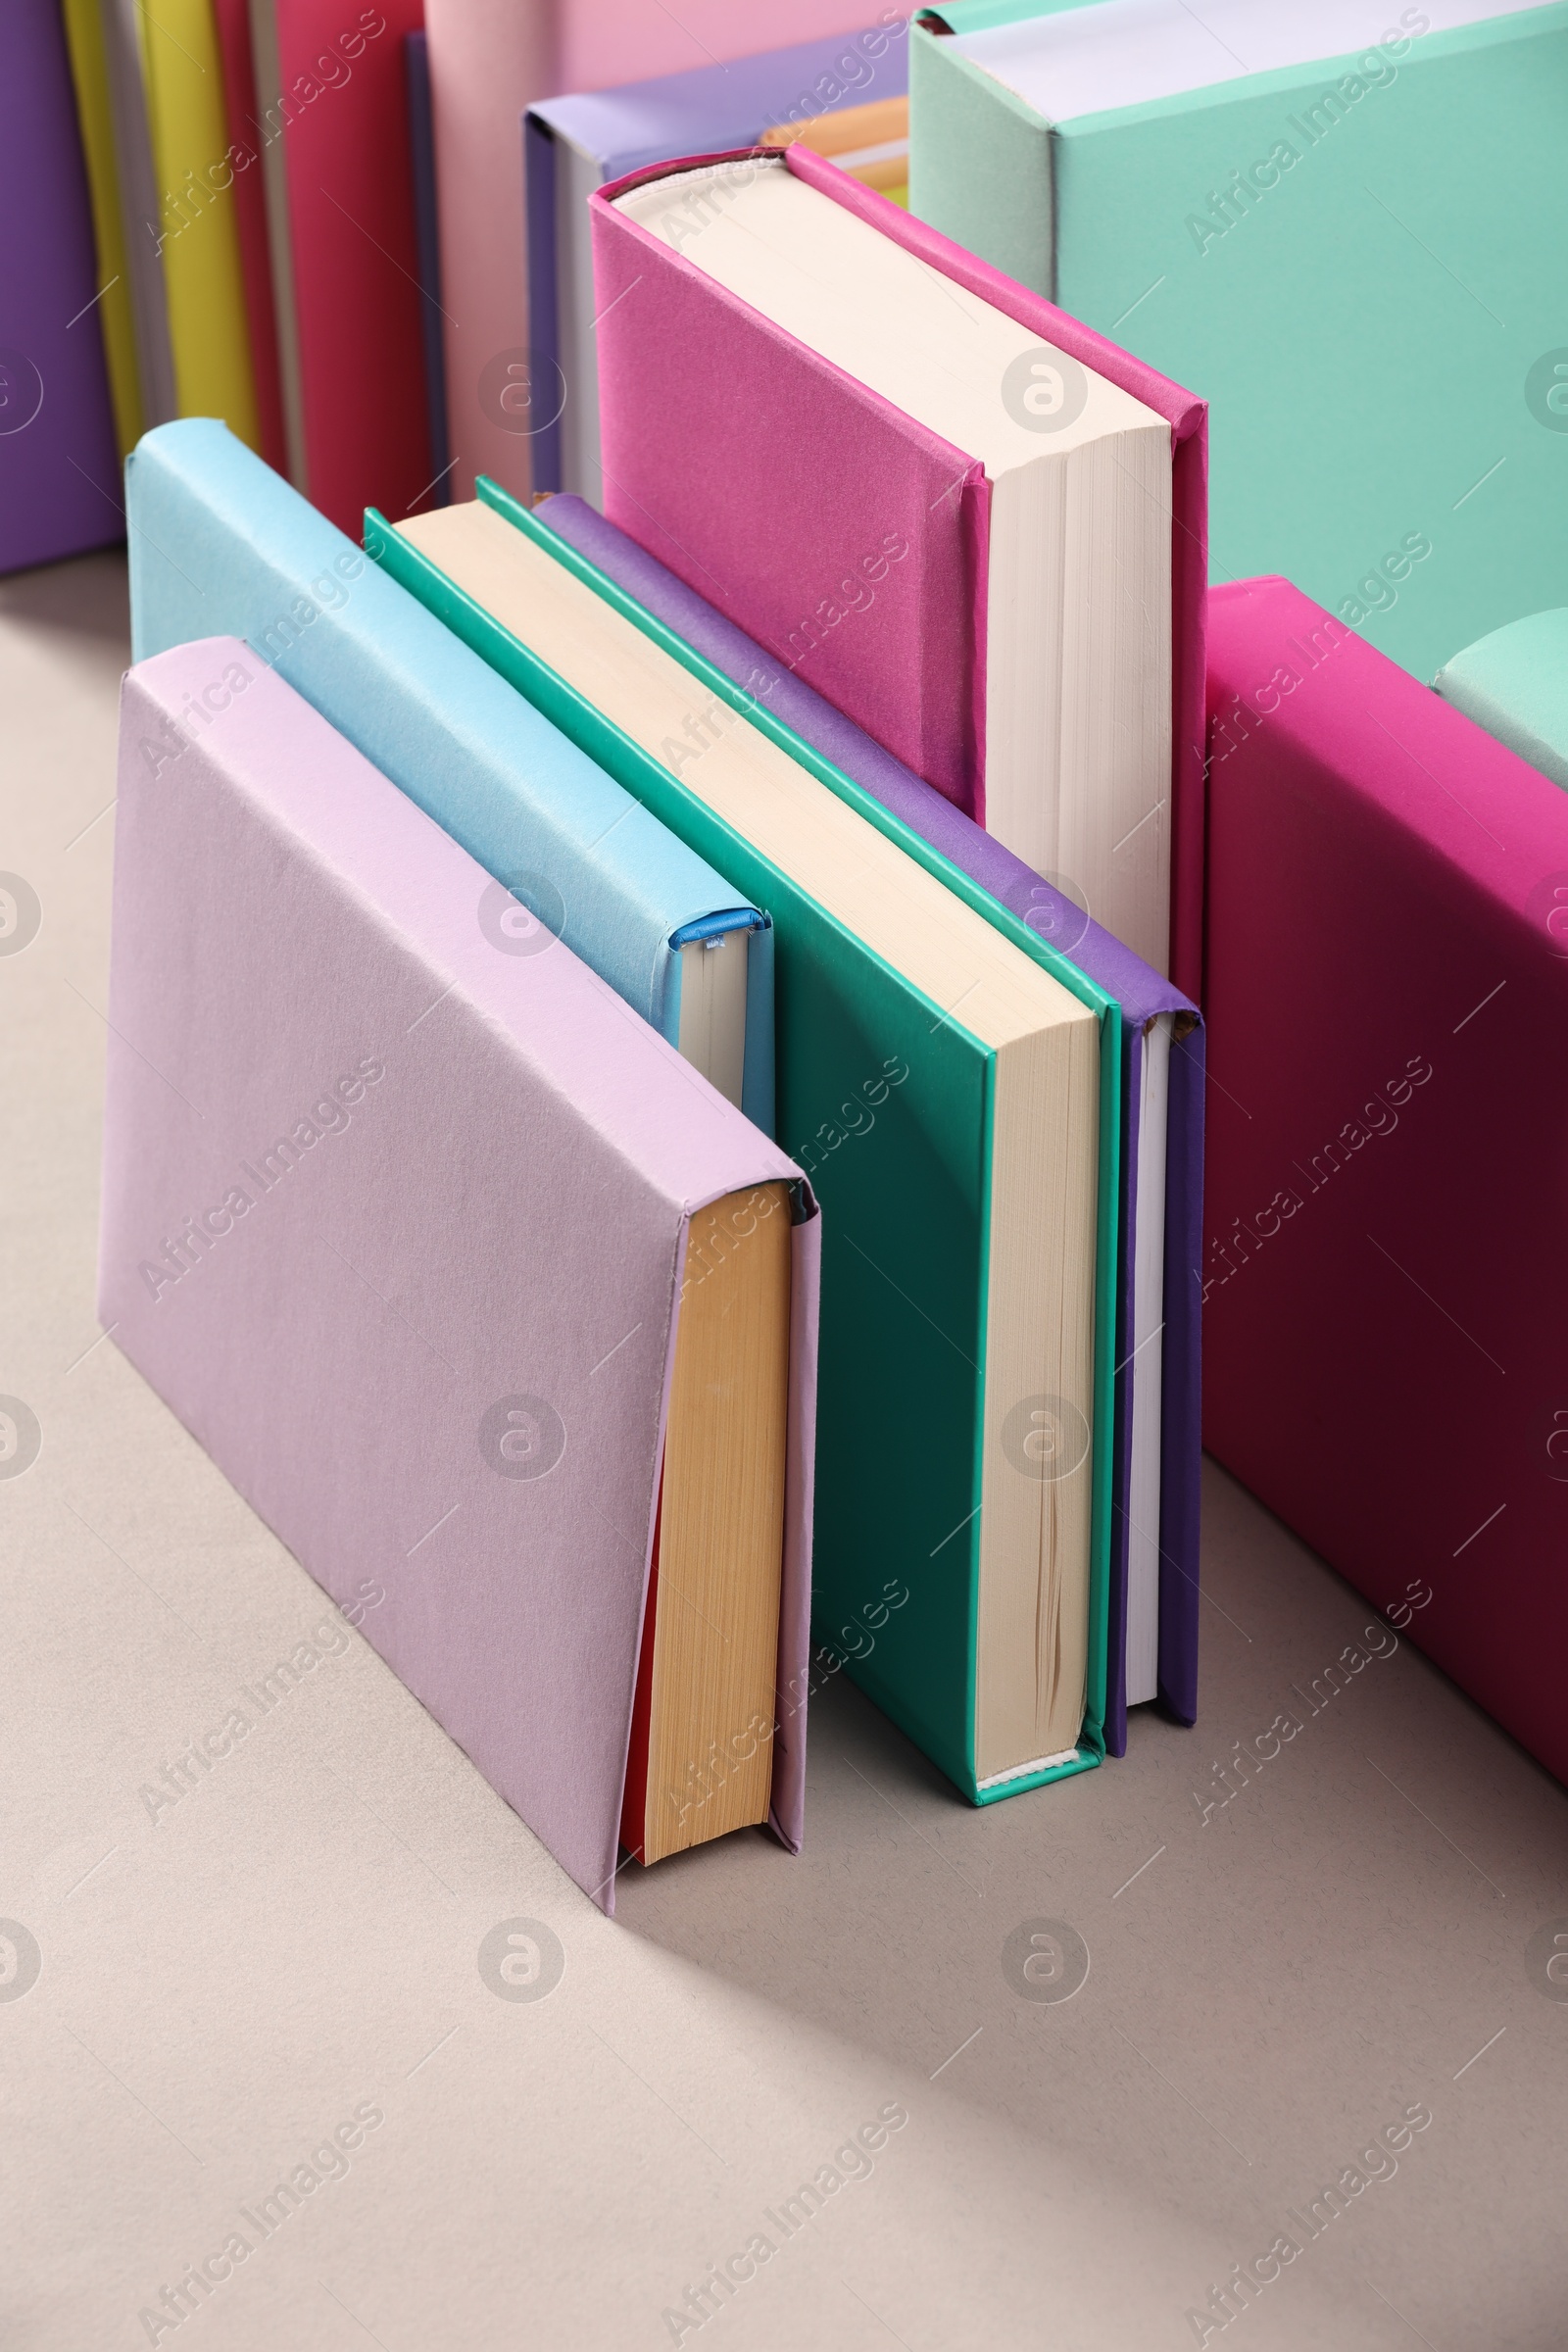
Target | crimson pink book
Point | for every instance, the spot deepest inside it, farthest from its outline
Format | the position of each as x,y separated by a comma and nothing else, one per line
1388,1143
333,127
973,526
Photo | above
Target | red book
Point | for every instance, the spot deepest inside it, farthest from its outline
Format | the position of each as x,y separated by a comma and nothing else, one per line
1385,1282
334,116
247,138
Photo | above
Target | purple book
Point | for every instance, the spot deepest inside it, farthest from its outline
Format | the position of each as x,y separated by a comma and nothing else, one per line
396,1202
574,144
1153,1643
58,466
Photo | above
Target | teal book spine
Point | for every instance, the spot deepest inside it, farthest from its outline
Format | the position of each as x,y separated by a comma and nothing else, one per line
905,1218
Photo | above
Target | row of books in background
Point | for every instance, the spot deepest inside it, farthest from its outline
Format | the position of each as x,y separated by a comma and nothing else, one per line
231,209
854,708
311,221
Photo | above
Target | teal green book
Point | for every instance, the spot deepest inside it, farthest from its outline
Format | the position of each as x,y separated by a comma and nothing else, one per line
962,1506
1355,260
1515,684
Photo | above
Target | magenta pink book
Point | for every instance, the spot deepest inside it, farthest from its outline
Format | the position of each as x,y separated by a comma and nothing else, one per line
1385,1282
739,459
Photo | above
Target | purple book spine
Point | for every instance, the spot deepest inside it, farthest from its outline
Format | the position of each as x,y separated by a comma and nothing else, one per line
59,469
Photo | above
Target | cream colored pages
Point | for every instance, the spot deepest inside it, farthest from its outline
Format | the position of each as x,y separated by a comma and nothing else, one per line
881,314
720,1528
1034,1533
1033,1647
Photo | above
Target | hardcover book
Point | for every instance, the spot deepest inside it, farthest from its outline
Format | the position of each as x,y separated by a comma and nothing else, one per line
1190,180
1384,1278
332,94
89,73
974,527
428,235
948,1097
490,61
243,168
870,142
366,1172
572,145
1152,1644
194,230
141,205
57,435
216,538
1515,684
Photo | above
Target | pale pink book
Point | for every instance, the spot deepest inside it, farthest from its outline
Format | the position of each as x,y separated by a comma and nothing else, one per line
396,1195
758,472
490,60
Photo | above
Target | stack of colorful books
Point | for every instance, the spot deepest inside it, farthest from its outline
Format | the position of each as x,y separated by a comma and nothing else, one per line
680,845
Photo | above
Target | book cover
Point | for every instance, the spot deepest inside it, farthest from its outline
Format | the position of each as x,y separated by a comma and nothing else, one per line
1208,231
196,241
428,237
708,411
490,61
472,1226
89,73
333,98
244,170
721,656
1387,1003
577,142
872,142
57,433
141,210
1515,684
257,560
915,1447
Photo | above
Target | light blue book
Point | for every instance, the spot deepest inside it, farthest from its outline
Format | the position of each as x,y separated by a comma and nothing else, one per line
222,545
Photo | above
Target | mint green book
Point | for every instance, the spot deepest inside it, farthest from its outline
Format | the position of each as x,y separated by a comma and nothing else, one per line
1342,225
951,1084
1514,683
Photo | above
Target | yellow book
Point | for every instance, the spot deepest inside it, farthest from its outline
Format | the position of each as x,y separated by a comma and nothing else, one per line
869,142
199,237
89,71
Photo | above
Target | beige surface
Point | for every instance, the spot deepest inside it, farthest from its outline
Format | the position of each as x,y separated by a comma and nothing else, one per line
298,1935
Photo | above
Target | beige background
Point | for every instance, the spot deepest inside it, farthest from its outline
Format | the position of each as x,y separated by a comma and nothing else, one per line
298,1935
